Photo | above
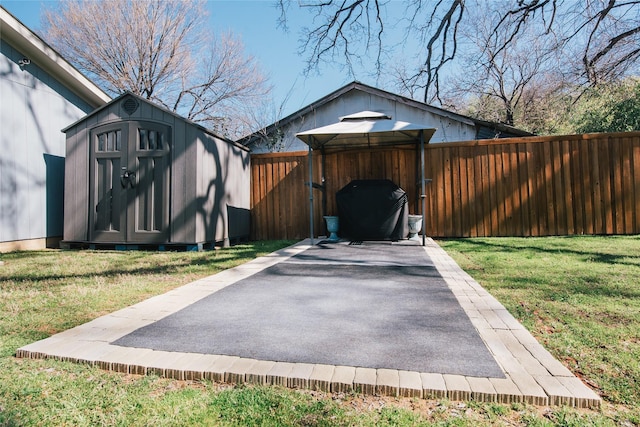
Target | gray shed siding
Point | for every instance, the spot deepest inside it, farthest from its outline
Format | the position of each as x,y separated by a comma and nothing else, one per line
208,176
34,107
448,128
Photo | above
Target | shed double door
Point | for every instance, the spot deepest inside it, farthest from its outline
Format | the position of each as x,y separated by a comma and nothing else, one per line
130,175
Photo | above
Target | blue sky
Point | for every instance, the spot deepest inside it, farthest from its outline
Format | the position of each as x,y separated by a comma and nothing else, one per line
255,21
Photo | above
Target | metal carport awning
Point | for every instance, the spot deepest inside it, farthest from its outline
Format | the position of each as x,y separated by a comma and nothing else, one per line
366,129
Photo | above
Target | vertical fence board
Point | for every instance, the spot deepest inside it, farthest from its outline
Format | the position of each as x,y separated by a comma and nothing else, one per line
439,186
486,185
627,186
512,202
275,185
507,193
476,200
492,192
456,190
254,195
598,186
259,191
588,187
407,166
557,194
568,204
606,180
499,185
465,208
536,188
285,205
523,184
446,197
546,164
515,217
430,173
618,191
292,213
635,170
469,195
261,222
576,186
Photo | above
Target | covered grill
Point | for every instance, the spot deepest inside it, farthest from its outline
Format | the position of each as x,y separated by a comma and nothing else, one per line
373,210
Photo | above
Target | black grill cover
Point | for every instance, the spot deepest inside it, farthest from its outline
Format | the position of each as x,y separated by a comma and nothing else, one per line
372,210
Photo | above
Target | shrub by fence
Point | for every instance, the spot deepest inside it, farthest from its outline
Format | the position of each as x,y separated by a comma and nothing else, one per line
535,186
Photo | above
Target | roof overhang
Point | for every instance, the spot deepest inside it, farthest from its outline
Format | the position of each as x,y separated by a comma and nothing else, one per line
40,53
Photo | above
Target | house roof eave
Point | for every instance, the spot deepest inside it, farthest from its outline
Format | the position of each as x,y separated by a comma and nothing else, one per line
35,49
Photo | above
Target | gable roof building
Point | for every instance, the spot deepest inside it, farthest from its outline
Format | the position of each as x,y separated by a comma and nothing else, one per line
40,93
140,174
355,97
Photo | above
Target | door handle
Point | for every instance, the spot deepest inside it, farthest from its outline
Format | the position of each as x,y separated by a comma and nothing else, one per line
128,178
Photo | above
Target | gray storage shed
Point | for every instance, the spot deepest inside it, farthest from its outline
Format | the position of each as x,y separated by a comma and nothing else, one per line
136,173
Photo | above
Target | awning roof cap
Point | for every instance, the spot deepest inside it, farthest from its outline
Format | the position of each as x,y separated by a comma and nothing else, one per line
365,115
366,129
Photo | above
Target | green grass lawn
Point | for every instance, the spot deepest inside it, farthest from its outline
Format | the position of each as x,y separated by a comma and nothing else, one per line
580,296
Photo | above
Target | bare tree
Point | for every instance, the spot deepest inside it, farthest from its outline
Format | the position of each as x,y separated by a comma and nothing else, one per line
510,79
163,51
612,31
606,32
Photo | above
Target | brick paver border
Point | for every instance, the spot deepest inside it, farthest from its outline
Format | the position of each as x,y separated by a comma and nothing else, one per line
533,375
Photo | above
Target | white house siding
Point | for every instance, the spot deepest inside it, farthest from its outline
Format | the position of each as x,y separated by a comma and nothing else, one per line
449,127
34,107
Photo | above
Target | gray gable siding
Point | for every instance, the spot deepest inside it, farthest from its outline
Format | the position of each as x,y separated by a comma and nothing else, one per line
353,101
448,128
34,107
356,97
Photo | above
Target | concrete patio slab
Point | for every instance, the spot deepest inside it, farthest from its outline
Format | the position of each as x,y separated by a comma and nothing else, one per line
531,374
374,305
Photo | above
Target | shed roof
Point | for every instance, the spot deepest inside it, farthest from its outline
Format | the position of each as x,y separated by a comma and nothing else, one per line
130,95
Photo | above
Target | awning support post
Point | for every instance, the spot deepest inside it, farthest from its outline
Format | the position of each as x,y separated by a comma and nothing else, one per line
311,194
323,184
423,190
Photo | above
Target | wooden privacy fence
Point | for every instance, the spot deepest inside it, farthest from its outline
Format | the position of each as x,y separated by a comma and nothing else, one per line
535,186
